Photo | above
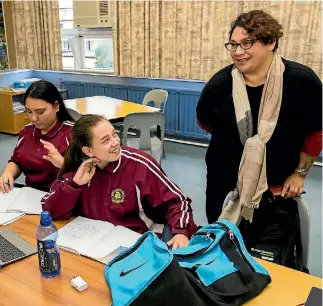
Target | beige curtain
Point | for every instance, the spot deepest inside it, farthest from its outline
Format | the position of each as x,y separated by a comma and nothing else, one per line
37,34
185,39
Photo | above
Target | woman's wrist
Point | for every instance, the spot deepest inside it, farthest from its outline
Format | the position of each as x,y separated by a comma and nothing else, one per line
302,172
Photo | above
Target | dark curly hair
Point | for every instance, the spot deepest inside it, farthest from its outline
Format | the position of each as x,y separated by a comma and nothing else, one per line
259,25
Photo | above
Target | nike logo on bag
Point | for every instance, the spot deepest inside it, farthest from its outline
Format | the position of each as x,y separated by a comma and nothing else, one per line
124,273
212,261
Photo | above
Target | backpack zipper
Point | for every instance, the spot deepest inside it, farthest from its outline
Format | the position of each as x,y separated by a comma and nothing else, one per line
207,235
236,243
128,252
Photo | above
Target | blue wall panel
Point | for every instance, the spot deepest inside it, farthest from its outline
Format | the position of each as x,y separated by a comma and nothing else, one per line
117,92
75,89
8,77
172,112
137,94
56,76
92,89
187,116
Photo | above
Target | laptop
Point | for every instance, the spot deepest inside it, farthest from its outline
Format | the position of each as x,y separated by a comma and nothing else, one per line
315,297
13,247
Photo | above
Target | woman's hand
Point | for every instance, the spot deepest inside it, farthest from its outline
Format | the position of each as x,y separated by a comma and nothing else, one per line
178,241
293,186
86,171
6,182
53,155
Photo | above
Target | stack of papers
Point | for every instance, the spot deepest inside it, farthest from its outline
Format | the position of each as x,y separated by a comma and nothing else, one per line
6,218
9,89
18,202
18,108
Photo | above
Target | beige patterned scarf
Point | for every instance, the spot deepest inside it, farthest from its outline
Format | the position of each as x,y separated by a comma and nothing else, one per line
252,177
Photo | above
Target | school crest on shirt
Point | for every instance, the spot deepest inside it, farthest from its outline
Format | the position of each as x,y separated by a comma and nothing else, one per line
117,196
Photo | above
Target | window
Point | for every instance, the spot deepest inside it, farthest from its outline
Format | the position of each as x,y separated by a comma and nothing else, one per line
67,55
66,14
98,53
84,49
65,45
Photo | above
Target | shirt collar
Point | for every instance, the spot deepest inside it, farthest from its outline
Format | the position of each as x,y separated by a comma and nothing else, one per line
113,166
51,133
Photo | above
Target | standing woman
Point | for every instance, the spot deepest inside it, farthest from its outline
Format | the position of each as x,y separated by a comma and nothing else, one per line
42,143
265,116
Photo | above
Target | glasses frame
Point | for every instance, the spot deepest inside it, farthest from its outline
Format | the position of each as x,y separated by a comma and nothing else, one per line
239,44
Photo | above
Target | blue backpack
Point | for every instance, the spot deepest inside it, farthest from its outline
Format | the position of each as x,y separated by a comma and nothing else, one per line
214,269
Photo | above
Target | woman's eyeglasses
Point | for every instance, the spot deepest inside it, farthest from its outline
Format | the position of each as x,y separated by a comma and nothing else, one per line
244,45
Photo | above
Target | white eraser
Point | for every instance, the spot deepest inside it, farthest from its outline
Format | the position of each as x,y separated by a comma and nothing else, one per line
79,283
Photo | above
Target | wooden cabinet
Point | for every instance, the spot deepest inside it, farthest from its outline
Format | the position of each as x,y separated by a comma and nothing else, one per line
9,121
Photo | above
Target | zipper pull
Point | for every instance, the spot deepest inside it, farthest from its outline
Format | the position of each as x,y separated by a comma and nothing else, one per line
231,235
207,236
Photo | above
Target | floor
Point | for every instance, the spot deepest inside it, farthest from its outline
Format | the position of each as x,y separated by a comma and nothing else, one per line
185,165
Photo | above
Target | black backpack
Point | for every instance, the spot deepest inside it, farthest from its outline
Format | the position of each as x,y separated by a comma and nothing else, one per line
274,235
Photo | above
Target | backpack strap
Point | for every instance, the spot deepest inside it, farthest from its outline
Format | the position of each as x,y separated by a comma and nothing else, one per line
230,251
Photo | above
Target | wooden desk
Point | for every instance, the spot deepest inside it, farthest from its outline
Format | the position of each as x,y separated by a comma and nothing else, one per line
21,281
288,287
112,109
22,284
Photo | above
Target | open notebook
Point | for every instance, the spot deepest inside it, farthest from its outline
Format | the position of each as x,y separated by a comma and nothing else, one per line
6,218
99,240
22,200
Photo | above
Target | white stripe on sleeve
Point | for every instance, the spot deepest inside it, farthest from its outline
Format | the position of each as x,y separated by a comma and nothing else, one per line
169,184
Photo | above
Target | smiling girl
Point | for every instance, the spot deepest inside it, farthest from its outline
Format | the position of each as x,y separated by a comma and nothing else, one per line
102,180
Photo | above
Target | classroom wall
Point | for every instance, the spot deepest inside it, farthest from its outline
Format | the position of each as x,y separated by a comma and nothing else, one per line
181,104
8,77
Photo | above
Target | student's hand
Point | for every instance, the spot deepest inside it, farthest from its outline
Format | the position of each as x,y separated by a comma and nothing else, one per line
53,155
6,182
293,186
178,241
85,172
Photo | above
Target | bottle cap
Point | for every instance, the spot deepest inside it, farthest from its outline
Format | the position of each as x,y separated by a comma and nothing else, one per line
45,218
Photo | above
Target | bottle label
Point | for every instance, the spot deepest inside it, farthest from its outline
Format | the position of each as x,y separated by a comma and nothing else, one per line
48,256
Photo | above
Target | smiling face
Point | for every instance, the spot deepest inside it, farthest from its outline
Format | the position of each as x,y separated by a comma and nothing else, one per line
105,143
252,60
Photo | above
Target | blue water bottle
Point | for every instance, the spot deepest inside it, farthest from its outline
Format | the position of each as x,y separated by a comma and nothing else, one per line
48,252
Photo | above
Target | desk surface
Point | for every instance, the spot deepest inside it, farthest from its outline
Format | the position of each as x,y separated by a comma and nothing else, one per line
109,107
21,281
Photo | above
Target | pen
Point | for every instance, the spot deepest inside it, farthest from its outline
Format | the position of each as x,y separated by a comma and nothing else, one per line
91,166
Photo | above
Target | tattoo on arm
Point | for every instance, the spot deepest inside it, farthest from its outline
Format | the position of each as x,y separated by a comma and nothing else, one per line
306,161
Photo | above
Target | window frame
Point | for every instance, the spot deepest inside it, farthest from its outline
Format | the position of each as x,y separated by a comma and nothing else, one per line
82,35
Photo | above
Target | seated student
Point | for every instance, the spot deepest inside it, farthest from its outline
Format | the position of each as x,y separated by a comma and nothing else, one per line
42,143
104,181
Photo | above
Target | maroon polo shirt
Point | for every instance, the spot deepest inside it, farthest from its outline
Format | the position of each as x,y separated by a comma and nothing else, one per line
133,192
28,153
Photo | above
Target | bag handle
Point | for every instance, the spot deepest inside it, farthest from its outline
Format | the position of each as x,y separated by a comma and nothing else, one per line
228,249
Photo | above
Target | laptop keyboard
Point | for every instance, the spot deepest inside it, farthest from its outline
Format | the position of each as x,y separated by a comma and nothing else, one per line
8,251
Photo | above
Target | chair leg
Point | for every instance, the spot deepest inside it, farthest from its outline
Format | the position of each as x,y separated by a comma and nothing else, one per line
164,155
121,133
